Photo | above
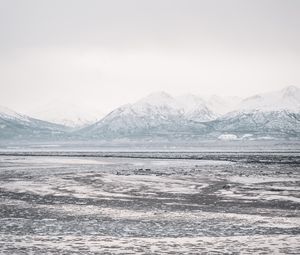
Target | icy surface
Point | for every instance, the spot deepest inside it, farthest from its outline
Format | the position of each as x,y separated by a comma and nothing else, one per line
149,203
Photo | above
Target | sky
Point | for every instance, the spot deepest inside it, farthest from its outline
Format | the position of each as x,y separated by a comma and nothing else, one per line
107,53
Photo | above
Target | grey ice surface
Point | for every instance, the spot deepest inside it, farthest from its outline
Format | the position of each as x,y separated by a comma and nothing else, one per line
149,203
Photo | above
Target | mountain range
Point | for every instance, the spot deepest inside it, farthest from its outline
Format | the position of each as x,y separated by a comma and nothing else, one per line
18,126
159,116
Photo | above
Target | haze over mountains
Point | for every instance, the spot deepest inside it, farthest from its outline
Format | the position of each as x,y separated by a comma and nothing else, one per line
161,116
67,113
17,126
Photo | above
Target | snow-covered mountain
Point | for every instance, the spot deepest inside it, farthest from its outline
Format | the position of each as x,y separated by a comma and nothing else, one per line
222,105
67,114
159,113
259,123
195,108
18,126
6,113
285,99
270,114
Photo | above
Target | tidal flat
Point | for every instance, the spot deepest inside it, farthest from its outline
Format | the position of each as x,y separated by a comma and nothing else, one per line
149,203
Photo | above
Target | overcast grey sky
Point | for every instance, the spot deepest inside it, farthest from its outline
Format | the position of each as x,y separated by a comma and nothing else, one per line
108,53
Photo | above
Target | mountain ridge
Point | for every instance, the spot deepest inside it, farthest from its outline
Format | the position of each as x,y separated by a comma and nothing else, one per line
18,126
162,116
272,113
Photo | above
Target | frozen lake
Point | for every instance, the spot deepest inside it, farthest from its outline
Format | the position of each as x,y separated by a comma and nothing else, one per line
149,203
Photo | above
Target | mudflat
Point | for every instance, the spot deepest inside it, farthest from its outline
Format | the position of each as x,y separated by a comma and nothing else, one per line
149,203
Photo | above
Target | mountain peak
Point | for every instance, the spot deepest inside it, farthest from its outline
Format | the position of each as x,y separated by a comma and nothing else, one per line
290,88
5,110
8,113
285,99
190,102
290,91
159,94
157,98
